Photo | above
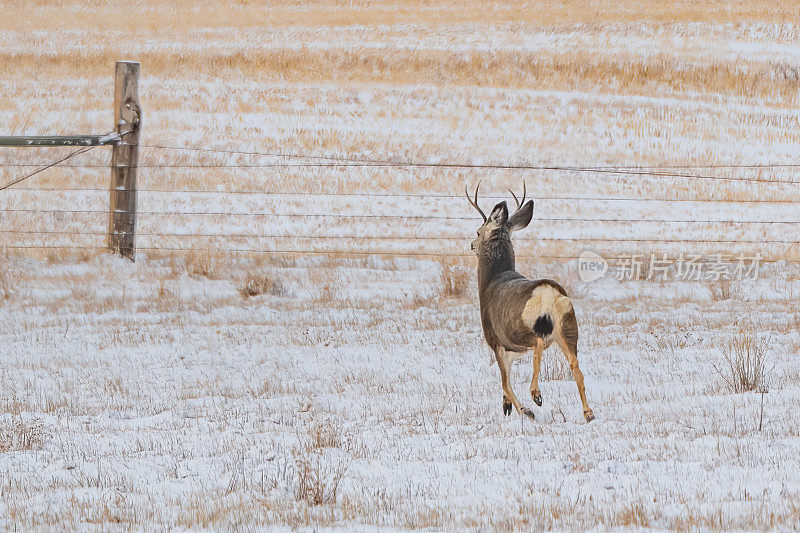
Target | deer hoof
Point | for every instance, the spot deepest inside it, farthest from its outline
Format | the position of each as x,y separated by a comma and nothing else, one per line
537,397
507,407
527,412
588,415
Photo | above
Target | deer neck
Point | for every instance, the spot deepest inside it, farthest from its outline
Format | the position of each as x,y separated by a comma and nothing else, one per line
497,257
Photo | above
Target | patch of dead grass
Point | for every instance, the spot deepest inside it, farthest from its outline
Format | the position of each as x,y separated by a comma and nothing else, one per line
724,289
22,435
454,278
207,263
256,282
744,363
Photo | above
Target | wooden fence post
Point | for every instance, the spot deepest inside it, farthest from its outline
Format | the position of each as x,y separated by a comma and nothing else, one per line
125,160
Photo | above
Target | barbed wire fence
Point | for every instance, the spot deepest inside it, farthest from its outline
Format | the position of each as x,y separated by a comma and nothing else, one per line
186,241
248,217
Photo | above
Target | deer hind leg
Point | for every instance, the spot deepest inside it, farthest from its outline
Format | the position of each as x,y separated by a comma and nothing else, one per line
509,398
567,340
537,364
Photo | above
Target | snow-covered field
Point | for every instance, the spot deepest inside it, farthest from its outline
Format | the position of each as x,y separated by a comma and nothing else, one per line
357,393
212,388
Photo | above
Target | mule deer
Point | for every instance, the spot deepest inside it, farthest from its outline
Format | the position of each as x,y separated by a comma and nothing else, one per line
518,313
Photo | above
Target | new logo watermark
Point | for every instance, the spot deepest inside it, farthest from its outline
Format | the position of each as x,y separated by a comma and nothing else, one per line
660,267
591,266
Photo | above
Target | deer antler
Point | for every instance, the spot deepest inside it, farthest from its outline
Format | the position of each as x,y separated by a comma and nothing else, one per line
474,203
524,192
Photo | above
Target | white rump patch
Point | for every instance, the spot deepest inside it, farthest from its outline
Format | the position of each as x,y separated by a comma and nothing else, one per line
545,299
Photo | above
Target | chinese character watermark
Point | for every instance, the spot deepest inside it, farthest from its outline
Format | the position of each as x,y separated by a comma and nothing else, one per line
659,267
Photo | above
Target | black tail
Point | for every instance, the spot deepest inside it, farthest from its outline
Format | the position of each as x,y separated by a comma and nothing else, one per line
543,326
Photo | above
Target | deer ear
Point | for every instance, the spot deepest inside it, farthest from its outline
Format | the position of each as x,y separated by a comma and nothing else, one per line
499,214
522,217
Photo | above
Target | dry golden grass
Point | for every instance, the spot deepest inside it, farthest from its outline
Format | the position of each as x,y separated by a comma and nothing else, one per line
21,435
186,14
317,483
258,282
745,361
6,277
455,277
598,83
504,69
724,289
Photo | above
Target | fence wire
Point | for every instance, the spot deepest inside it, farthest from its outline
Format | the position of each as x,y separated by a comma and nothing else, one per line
346,216
332,161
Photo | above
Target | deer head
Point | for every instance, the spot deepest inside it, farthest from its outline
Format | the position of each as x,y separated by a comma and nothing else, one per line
497,227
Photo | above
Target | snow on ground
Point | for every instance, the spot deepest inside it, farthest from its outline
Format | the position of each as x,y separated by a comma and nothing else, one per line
213,388
358,393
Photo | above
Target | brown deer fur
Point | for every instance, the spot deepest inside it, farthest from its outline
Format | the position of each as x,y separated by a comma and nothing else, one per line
518,313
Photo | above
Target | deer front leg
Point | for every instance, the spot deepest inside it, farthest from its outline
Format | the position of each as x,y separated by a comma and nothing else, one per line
537,364
508,394
568,342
